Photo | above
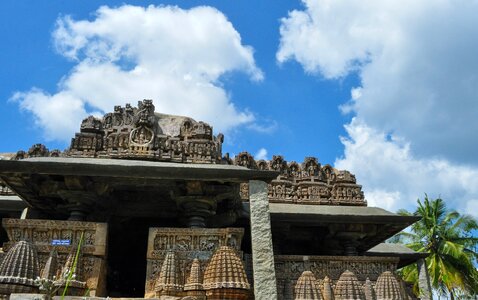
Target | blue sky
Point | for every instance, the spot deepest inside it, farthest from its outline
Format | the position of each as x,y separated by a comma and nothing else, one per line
387,90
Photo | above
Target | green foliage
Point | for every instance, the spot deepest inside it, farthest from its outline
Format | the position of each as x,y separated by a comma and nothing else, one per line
448,238
49,287
71,273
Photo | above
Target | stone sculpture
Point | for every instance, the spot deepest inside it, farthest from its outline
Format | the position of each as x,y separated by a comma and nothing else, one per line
41,233
51,266
307,288
193,286
387,287
19,269
140,133
168,283
348,287
368,290
327,291
306,183
225,277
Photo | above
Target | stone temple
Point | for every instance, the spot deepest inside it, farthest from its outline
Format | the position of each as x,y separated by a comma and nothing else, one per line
146,205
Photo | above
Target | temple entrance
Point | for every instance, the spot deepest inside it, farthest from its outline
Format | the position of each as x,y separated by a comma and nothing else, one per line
127,243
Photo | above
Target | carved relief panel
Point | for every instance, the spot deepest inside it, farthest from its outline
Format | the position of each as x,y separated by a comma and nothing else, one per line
306,183
63,236
140,133
188,244
290,267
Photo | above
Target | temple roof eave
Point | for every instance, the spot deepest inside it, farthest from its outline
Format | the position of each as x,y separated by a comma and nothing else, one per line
406,255
132,168
12,203
345,214
371,225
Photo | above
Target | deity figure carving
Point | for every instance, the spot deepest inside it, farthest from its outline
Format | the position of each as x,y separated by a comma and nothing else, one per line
244,159
140,133
306,183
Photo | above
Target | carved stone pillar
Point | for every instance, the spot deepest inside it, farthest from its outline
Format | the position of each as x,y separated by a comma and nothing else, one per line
77,212
348,241
350,248
196,210
261,238
424,280
79,203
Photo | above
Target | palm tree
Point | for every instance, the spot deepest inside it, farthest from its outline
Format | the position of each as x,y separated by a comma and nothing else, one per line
448,238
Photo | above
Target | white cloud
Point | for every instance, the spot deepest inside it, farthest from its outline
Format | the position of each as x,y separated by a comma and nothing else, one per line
416,105
175,57
261,154
393,178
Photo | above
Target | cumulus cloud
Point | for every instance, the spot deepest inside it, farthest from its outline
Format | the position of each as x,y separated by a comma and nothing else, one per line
393,178
416,106
175,57
261,154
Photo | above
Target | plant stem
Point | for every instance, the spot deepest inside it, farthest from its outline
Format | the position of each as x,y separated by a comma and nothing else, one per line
73,268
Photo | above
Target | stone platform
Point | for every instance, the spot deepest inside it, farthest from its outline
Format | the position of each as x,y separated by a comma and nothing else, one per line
43,297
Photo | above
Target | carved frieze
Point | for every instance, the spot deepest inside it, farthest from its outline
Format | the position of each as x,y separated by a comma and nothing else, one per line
140,133
36,150
306,183
63,237
290,267
188,244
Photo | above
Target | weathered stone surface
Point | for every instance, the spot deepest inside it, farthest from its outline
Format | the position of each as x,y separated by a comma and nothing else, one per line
306,183
387,287
42,232
168,282
19,269
28,297
261,237
289,268
131,169
368,290
188,244
327,292
140,133
348,287
307,288
224,277
424,280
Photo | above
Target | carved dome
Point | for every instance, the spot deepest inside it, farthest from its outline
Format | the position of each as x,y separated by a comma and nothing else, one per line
327,292
19,269
71,266
348,287
194,281
387,287
193,287
225,277
307,288
168,283
51,266
368,290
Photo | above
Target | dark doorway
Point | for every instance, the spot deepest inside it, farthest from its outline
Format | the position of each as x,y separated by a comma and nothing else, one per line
127,244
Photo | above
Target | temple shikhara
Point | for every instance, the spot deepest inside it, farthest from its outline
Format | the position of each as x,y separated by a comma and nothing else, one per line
147,205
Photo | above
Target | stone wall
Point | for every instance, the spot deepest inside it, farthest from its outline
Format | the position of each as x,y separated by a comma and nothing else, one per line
187,243
43,233
290,267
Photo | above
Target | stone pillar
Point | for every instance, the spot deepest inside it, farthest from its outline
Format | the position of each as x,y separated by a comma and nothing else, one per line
424,280
261,238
